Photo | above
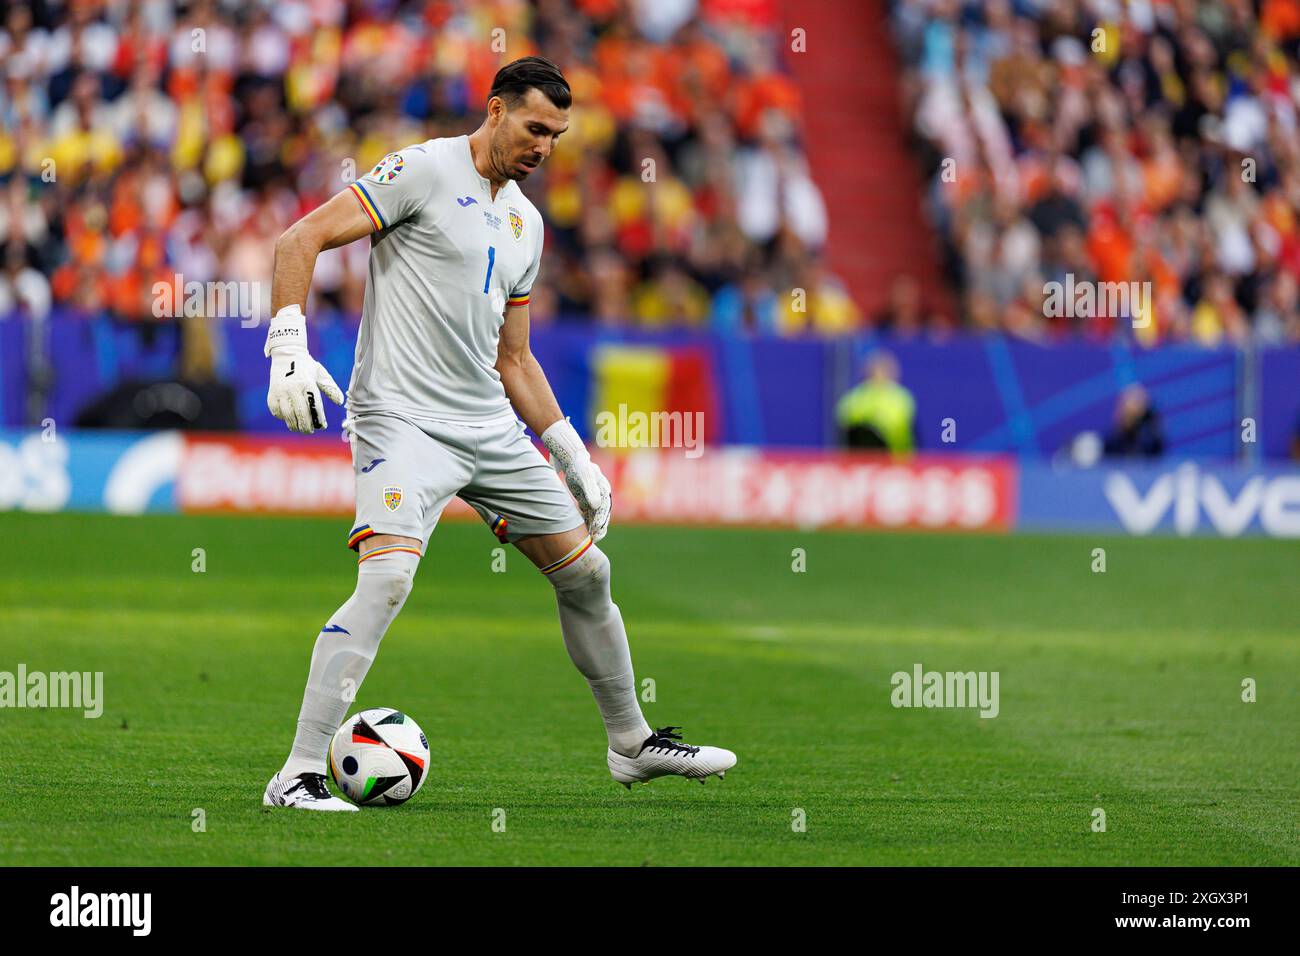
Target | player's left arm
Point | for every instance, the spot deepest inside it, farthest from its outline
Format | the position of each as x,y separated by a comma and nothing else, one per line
534,402
522,376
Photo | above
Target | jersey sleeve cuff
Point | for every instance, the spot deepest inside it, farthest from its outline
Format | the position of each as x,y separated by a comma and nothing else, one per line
368,205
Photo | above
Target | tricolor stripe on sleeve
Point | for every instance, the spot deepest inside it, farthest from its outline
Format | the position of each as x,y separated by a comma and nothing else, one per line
517,300
371,210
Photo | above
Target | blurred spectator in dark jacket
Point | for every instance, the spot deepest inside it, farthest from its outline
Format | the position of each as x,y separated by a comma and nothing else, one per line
903,315
1137,432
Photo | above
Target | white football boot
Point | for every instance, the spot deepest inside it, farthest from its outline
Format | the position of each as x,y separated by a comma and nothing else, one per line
663,754
307,791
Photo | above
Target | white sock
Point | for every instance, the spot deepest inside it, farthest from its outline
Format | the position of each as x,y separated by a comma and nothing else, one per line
342,657
597,644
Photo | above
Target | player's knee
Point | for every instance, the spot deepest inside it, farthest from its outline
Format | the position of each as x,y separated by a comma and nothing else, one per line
599,567
387,579
395,588
589,573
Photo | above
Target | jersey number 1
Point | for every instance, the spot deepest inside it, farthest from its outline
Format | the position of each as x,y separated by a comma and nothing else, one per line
492,257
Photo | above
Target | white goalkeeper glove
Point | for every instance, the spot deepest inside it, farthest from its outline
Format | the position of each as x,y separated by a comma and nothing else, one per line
297,379
586,483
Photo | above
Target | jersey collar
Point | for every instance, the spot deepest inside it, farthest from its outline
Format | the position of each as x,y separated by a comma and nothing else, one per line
484,183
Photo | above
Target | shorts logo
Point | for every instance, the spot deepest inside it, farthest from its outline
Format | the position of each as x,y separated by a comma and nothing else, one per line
393,497
516,223
388,168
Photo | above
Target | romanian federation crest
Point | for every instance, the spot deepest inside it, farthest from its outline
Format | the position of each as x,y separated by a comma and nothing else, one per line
516,223
388,168
392,497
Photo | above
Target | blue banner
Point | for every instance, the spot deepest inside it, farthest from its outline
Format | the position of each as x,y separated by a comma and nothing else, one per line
973,393
53,469
1177,497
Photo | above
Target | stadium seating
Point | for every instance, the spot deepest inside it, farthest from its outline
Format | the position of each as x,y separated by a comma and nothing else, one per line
158,142
1154,146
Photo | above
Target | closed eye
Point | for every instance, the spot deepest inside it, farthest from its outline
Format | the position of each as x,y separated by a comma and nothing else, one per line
538,130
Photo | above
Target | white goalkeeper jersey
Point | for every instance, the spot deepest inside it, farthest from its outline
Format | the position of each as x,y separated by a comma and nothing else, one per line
445,261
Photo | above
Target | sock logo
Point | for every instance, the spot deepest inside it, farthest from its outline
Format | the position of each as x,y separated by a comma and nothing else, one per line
335,629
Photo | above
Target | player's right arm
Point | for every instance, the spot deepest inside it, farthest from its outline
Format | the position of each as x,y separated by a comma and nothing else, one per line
297,379
335,223
394,190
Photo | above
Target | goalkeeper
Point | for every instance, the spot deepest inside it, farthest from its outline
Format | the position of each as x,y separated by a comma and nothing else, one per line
443,377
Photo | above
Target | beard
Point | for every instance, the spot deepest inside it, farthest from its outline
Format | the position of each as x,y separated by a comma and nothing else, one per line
502,164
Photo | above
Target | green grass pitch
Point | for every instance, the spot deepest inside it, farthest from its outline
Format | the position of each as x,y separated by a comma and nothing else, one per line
1120,691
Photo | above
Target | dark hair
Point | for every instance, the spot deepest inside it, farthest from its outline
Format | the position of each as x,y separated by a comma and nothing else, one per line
514,80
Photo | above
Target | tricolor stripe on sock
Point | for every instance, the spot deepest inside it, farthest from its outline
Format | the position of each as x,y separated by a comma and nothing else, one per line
569,558
371,209
389,550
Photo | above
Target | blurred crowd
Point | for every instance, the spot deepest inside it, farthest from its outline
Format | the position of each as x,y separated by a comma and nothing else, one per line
1147,141
147,140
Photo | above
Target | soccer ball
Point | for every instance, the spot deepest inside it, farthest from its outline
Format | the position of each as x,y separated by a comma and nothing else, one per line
379,756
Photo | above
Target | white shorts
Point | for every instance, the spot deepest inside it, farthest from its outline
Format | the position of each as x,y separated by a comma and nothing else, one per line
407,472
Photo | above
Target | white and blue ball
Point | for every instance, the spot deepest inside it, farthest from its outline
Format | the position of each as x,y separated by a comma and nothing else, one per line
379,757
